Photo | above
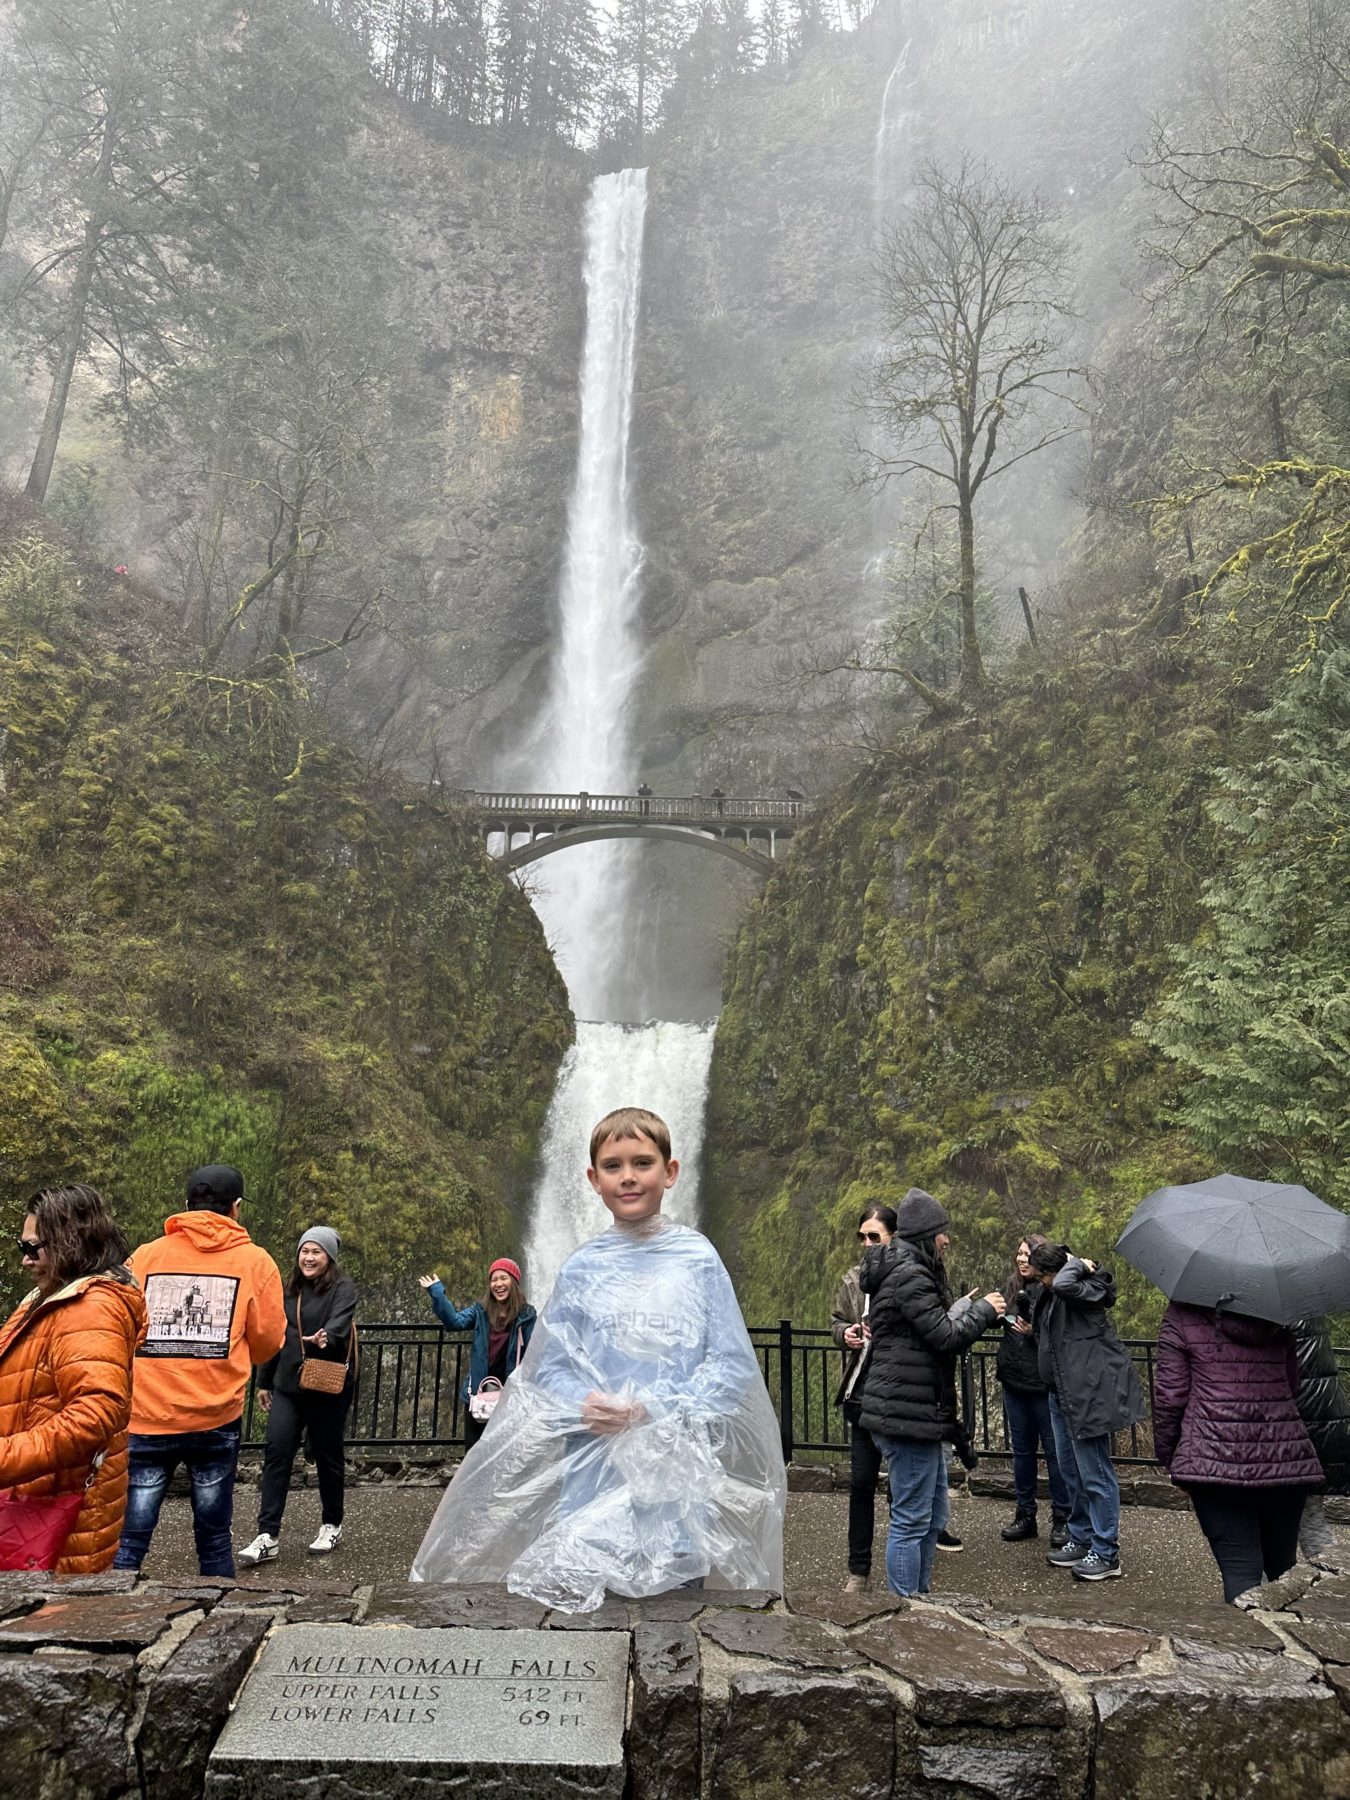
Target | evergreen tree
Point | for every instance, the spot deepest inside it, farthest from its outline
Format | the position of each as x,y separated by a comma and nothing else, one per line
1259,1015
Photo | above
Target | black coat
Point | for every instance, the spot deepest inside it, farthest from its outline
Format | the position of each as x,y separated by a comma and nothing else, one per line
911,1385
1017,1364
1080,1357
1322,1403
335,1310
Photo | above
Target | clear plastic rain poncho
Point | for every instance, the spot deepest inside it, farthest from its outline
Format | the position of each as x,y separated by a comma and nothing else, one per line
693,1492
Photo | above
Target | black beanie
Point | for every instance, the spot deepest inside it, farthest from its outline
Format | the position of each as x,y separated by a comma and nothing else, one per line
919,1216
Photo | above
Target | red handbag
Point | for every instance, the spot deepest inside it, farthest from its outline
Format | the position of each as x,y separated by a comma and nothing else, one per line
34,1529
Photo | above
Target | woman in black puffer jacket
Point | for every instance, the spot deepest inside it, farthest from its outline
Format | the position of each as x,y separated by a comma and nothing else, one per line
910,1403
1325,1411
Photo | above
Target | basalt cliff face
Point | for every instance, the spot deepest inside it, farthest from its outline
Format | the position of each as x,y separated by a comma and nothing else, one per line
764,199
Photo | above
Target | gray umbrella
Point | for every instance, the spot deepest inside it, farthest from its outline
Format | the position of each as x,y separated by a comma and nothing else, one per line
1262,1248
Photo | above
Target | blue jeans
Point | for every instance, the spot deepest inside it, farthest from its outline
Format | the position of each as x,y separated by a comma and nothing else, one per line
919,1510
1085,1463
211,1458
1030,1425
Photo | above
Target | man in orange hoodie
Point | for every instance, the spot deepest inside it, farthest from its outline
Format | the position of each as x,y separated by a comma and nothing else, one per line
215,1309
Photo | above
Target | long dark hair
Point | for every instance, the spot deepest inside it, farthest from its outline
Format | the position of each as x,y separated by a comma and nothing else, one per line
79,1234
926,1249
321,1283
1017,1284
502,1314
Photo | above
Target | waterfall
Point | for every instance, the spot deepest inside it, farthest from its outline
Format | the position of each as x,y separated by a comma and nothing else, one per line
663,1066
584,896
588,740
894,129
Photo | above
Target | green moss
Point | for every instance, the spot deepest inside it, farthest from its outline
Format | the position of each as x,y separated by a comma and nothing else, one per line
222,940
942,978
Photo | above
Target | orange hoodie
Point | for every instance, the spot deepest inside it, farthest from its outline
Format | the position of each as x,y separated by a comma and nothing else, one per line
214,1303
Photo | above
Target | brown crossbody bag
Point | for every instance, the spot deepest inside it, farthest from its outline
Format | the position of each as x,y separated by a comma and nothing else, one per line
320,1375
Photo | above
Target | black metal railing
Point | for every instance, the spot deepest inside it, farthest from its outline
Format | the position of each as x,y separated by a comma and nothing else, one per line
409,1391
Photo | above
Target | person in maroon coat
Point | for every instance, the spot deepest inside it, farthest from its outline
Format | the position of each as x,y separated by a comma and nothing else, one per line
1227,1430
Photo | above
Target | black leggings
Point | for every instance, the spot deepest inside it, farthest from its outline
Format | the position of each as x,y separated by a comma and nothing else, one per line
864,1467
324,1417
1253,1531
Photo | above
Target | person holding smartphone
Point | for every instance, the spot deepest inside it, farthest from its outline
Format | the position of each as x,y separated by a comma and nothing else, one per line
852,1333
1026,1407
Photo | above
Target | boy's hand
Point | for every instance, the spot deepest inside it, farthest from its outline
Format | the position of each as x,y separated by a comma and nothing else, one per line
999,1304
427,1280
607,1416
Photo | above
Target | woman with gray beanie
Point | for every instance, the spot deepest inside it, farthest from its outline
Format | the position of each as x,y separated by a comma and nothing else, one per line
306,1390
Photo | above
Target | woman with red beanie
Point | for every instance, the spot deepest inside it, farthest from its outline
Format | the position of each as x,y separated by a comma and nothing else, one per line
501,1323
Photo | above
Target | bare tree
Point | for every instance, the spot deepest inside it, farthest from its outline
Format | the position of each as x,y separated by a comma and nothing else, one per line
972,377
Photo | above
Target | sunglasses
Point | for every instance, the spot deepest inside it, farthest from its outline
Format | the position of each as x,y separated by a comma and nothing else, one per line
30,1247
870,1237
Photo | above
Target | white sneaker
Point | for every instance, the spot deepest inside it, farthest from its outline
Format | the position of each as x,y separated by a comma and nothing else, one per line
330,1536
261,1550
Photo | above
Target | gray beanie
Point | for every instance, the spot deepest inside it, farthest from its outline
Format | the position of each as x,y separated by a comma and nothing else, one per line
325,1237
919,1215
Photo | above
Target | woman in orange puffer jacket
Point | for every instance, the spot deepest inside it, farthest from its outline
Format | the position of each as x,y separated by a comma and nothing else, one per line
65,1371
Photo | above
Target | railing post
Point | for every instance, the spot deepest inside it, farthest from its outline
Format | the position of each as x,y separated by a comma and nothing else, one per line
785,1408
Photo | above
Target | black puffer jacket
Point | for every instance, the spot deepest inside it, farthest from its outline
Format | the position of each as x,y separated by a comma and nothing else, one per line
911,1386
1322,1403
1017,1364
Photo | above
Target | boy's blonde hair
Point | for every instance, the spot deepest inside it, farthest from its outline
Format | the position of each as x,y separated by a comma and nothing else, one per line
631,1121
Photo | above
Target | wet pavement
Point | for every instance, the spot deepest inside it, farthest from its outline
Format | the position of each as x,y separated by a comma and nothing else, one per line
1163,1554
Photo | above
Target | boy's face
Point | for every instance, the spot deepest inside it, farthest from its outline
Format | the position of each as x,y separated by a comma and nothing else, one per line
631,1177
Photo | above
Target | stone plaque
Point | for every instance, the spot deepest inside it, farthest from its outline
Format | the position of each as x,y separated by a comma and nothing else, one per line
340,1709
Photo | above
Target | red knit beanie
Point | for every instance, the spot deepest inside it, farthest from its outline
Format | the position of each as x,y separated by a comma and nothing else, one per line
512,1269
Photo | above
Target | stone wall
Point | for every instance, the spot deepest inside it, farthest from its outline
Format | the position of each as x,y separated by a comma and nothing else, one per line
112,1688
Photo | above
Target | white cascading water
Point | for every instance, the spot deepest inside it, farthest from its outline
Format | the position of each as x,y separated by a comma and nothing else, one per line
583,895
586,896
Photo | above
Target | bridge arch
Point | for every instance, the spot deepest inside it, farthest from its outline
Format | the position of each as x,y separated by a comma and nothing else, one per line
759,862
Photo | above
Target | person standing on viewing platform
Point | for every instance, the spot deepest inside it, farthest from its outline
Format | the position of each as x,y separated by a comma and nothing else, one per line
65,1388
1026,1407
636,1450
1226,1427
910,1405
1324,1408
848,1324
502,1324
213,1298
1094,1391
306,1390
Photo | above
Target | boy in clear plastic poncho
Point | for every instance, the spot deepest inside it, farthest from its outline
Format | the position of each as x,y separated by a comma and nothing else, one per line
635,1450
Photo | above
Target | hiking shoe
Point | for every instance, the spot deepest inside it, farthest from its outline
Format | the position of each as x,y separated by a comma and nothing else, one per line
330,1536
263,1549
1096,1568
857,1584
948,1540
1022,1525
1068,1554
1059,1530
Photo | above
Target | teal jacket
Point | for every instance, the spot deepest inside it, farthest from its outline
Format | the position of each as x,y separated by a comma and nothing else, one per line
474,1318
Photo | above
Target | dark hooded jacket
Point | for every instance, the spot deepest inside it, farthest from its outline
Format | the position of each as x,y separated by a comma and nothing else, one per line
911,1384
1322,1402
1080,1357
1223,1402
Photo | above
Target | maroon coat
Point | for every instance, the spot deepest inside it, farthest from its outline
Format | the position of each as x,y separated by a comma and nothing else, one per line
1223,1402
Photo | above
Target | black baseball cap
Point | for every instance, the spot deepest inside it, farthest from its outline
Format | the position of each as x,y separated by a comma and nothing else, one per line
214,1188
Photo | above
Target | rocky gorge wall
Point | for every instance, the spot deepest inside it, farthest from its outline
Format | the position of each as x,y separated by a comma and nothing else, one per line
117,1689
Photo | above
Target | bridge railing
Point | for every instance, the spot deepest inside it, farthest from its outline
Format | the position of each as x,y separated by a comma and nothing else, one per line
685,809
408,1396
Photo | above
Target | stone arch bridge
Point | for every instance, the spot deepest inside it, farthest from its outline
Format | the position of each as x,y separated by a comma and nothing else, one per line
523,827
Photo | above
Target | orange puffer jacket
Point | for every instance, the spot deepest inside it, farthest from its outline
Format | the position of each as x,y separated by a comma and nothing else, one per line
65,1396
